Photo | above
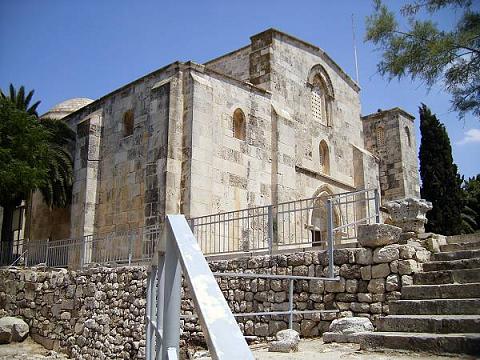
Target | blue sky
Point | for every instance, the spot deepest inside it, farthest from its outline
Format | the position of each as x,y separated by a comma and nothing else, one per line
66,49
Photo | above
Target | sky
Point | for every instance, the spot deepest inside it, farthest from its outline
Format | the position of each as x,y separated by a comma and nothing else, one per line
66,49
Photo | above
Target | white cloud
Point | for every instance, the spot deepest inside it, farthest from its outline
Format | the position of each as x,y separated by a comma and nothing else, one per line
471,136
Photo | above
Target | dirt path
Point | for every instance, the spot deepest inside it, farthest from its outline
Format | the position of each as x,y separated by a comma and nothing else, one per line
28,350
317,350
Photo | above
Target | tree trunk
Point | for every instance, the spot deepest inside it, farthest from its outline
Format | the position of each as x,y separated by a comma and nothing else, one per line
7,235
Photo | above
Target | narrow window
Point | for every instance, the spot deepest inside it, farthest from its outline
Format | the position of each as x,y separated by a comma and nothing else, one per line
128,121
319,106
324,158
407,132
380,136
239,125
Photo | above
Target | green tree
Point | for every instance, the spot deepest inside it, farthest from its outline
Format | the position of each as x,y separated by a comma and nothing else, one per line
441,183
471,188
429,53
21,101
23,151
34,155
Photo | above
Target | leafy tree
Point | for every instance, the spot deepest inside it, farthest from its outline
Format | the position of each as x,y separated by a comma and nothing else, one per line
441,183
428,53
34,155
21,101
23,151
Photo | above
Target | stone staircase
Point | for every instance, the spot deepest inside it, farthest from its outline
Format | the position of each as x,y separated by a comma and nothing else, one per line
441,312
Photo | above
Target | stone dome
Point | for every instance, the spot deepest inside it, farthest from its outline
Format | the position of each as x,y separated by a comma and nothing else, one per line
66,107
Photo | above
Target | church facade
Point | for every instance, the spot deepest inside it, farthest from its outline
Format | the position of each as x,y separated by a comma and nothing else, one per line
274,121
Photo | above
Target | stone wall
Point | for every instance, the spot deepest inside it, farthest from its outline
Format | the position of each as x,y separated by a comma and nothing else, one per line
99,312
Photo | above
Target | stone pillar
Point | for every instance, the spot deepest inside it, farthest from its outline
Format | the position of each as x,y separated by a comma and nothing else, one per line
87,156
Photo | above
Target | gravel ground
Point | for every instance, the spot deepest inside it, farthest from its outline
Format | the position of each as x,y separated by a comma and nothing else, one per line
28,350
317,350
308,350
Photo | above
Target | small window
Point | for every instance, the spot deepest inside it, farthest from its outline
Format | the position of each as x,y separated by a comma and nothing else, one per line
239,125
128,122
380,136
407,132
318,104
324,158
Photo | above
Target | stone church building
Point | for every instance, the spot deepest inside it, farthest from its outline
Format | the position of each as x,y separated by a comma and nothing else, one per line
273,121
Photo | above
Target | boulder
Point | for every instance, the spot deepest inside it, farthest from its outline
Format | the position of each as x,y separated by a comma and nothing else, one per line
350,325
348,329
12,329
287,341
375,235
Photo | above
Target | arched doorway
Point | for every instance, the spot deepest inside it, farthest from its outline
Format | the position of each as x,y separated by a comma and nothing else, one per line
318,218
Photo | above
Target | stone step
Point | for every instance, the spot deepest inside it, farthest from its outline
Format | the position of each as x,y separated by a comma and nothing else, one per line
447,277
435,307
444,291
452,264
455,240
438,324
460,247
468,343
455,255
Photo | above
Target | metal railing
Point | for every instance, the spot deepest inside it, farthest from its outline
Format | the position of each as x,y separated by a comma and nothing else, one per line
224,338
114,248
222,333
289,224
293,224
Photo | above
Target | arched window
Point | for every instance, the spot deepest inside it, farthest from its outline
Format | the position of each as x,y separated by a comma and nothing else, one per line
407,132
380,136
128,122
321,95
324,157
239,125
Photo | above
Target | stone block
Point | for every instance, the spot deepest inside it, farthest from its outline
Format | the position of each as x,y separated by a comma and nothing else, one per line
376,286
287,341
392,282
366,272
380,271
350,325
364,297
375,235
351,286
337,286
406,251
407,267
385,254
364,256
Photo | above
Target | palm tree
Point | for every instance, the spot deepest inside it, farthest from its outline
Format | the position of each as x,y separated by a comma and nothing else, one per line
55,162
57,190
21,102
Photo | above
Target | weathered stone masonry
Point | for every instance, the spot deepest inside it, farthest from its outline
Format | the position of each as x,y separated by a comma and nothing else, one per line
182,155
99,312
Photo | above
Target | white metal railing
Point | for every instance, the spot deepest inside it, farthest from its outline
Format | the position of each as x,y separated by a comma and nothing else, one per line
300,223
297,223
223,336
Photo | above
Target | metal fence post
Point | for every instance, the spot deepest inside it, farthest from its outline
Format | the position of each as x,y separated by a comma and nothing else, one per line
160,303
46,252
290,303
149,314
270,228
330,237
172,298
129,237
377,206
